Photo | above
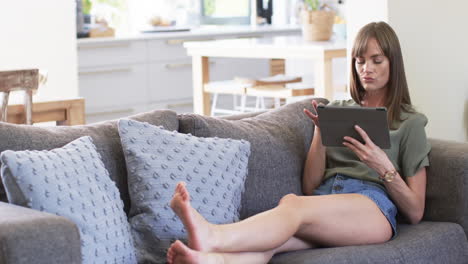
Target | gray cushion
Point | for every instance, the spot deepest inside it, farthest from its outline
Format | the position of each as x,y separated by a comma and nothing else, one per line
427,242
214,170
72,182
280,140
104,134
447,183
29,236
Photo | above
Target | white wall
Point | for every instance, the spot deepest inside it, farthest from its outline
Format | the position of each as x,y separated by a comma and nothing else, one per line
434,41
41,34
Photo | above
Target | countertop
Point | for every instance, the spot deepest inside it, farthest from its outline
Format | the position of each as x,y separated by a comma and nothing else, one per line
296,43
201,32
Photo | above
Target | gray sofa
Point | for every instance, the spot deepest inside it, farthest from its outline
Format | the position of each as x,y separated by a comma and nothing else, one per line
279,143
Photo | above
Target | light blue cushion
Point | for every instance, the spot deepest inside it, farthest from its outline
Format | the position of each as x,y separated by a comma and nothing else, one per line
214,170
72,182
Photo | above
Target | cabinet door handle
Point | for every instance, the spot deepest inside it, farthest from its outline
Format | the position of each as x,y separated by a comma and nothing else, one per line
175,41
174,66
106,46
106,71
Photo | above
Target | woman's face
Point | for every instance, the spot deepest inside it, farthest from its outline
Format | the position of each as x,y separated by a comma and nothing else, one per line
373,67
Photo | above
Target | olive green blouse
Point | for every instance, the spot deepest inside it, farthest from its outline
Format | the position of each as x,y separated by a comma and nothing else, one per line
408,153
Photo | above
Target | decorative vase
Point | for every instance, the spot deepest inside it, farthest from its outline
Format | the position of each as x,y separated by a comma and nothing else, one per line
317,25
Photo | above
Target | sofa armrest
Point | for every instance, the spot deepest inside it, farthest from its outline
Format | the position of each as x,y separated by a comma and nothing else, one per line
447,183
29,236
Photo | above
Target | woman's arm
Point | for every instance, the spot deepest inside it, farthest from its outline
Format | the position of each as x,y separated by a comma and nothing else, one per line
409,196
314,167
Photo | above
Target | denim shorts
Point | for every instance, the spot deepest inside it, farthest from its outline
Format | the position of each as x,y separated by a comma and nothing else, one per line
340,184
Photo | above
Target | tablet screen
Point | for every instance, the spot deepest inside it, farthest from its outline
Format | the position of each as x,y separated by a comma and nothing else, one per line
336,122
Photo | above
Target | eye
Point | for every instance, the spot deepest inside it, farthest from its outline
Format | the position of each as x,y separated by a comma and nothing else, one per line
378,59
360,61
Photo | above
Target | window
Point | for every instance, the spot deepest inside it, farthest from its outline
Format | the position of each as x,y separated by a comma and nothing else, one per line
225,11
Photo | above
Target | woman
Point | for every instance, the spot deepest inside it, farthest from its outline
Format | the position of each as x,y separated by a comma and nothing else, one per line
359,183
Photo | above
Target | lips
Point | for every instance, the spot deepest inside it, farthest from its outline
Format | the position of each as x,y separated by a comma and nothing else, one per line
367,79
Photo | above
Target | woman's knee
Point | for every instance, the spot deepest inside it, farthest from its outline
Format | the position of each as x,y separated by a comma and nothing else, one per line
288,199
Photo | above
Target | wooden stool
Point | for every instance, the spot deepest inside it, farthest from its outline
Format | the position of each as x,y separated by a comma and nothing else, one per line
277,92
278,87
230,87
19,80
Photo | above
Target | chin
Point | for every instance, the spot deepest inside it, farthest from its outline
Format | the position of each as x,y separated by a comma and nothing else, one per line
372,88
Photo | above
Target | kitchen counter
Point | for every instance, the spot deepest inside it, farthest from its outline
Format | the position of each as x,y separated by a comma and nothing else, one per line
201,32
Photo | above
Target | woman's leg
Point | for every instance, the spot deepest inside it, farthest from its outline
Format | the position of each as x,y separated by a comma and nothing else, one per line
181,254
332,220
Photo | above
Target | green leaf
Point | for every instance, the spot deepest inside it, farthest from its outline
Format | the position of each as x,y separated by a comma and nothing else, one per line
313,4
86,4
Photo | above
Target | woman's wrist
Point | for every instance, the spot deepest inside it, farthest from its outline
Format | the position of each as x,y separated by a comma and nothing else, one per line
318,137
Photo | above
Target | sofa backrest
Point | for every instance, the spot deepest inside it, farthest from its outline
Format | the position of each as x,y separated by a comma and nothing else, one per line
104,134
447,183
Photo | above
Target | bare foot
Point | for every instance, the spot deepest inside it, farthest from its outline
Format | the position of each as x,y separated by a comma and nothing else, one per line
200,232
179,253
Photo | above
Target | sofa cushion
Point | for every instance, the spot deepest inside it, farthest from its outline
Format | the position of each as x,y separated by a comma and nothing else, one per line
72,182
104,134
279,139
427,242
447,183
214,170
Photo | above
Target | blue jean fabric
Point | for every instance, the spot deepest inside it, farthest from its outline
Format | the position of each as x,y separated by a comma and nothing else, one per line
340,184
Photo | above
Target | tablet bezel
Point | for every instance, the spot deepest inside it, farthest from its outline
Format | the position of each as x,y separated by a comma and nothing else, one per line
336,122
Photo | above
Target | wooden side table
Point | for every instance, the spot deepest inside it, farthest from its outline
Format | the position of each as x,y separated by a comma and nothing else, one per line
64,112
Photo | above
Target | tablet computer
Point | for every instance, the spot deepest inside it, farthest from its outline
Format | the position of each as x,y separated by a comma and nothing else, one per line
336,122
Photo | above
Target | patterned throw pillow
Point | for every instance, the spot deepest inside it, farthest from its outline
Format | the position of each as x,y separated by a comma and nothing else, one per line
72,182
214,170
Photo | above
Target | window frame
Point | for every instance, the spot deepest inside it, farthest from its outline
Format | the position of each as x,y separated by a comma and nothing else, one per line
208,20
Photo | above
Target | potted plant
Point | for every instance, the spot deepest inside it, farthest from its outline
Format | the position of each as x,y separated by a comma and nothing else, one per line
317,21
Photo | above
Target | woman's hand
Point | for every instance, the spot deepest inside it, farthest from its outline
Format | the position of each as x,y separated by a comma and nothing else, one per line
313,117
369,153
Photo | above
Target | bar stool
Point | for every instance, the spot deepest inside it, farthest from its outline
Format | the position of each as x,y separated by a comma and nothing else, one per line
278,92
273,86
27,80
277,87
230,87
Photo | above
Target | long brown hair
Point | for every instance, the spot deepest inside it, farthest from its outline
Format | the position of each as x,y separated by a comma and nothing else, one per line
398,98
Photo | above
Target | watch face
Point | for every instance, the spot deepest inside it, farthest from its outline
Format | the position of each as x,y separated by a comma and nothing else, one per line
389,176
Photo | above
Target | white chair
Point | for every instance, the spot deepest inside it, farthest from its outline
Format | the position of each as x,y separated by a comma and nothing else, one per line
278,92
277,87
230,87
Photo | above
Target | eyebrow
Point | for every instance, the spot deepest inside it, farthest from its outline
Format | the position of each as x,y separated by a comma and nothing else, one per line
373,56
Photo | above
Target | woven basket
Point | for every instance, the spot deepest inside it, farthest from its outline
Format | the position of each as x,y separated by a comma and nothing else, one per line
317,25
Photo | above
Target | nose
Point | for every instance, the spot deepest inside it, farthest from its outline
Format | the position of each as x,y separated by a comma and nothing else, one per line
367,67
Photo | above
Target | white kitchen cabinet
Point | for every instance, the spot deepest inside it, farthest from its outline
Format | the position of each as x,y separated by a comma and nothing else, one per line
120,77
170,81
112,53
113,88
167,49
